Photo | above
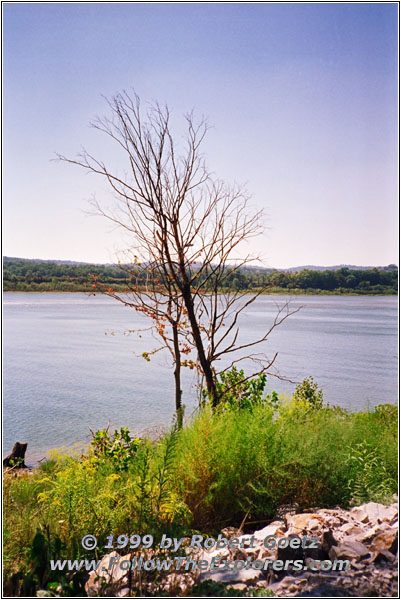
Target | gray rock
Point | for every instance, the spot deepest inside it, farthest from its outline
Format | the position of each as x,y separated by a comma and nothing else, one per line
290,553
231,576
384,555
328,541
375,513
272,529
349,550
351,528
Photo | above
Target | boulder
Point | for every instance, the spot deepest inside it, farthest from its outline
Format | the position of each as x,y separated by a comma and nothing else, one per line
305,522
349,550
385,541
374,512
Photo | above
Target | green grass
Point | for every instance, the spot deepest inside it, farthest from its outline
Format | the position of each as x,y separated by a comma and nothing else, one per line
254,461
221,467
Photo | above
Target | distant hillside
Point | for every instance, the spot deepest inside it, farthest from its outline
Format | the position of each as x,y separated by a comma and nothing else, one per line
337,268
50,261
391,267
69,276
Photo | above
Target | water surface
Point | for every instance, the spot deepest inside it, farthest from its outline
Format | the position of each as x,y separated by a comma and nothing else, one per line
70,365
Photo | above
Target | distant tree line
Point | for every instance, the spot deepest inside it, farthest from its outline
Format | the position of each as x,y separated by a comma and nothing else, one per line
48,276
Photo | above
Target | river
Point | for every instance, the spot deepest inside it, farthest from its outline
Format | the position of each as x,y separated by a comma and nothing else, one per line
70,363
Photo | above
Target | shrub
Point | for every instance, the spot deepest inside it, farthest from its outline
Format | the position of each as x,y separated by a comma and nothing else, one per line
308,391
235,391
120,449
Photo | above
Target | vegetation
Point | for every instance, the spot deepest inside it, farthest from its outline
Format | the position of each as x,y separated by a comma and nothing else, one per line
27,276
246,458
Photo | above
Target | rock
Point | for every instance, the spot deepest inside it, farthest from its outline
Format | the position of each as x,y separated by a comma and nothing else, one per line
384,555
359,514
385,541
334,517
290,553
209,554
349,550
328,541
367,535
231,576
115,578
245,552
394,546
314,524
283,584
239,586
275,528
230,532
351,528
244,540
375,513
304,522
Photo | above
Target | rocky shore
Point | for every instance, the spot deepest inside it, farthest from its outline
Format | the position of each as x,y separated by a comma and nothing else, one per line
366,536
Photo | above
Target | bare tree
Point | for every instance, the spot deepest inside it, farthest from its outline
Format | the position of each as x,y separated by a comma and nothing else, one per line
187,230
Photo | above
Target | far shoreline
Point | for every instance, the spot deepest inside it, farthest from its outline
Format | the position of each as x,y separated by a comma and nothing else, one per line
280,293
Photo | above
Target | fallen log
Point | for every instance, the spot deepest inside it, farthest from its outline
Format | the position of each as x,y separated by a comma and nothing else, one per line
16,458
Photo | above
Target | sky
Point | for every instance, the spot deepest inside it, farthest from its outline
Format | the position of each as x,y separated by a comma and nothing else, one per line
302,99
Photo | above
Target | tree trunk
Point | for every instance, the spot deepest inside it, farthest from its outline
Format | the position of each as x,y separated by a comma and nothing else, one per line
16,457
205,364
178,397
177,378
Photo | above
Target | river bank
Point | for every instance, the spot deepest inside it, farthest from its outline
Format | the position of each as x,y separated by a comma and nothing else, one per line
269,292
317,553
26,275
228,468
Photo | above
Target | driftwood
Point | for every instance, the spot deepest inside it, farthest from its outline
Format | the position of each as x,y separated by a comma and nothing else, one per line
16,458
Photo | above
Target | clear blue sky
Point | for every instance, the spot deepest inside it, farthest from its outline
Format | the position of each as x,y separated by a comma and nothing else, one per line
303,99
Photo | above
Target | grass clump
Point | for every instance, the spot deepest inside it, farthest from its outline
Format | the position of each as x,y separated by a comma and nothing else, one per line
253,461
